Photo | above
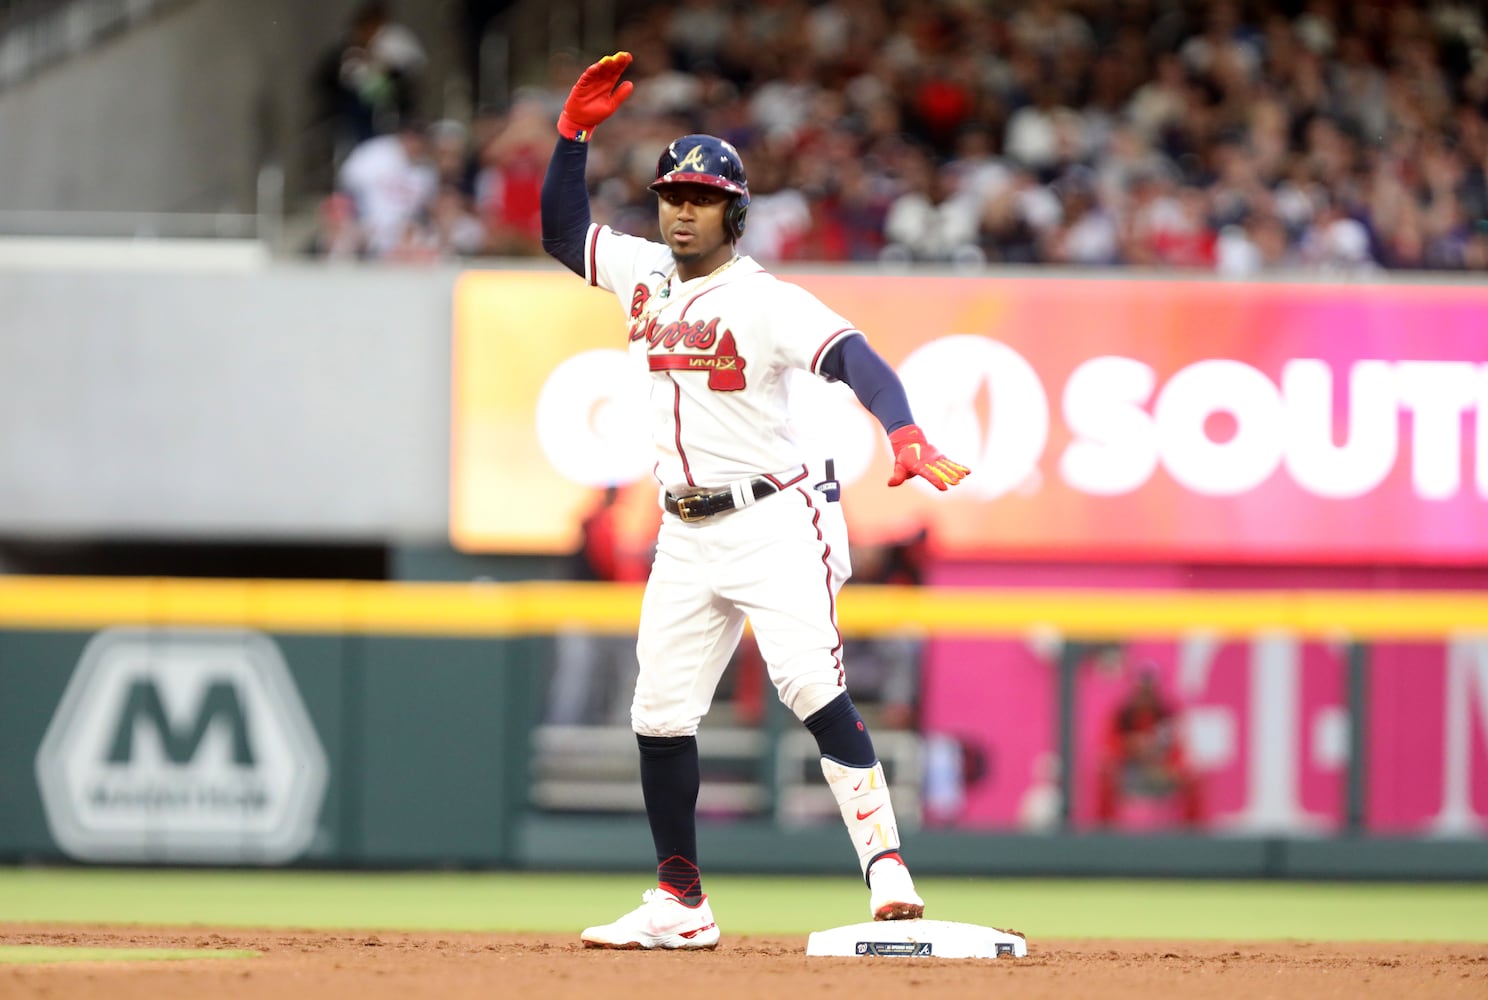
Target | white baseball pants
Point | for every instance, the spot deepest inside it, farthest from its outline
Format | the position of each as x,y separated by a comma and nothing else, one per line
779,561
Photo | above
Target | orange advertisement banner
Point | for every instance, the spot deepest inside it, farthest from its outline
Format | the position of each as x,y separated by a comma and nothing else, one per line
1103,418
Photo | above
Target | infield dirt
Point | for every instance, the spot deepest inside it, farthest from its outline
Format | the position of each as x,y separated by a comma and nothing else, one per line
384,966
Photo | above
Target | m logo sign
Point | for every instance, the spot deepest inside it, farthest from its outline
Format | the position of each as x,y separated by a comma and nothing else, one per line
182,746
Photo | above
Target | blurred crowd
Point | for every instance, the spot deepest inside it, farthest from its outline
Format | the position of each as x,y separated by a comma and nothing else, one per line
1237,138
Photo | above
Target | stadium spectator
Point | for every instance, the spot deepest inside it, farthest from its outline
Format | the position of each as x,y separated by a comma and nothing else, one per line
446,230
338,236
450,151
392,184
1144,757
930,221
369,80
1242,138
510,179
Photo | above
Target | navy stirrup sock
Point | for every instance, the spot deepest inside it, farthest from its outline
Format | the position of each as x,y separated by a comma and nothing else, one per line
670,778
840,733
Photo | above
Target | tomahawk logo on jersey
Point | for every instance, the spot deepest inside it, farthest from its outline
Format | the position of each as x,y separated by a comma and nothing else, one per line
718,348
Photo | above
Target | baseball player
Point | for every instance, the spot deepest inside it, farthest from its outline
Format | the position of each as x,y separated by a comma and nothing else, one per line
745,533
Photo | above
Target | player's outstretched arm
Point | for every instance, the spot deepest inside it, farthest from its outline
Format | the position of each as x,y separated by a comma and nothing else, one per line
878,388
565,196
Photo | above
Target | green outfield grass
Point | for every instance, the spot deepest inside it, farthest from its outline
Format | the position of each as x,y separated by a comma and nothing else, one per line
37,954
744,904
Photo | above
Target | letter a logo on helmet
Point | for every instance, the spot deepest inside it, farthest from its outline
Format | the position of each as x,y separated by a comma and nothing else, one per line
693,161
710,161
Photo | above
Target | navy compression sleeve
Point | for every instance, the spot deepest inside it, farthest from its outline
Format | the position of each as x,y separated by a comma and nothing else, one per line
565,204
877,385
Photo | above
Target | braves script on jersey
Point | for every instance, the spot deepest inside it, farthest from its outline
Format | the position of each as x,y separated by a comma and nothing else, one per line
719,349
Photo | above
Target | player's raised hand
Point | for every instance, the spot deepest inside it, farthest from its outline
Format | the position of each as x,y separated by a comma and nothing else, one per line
595,97
914,456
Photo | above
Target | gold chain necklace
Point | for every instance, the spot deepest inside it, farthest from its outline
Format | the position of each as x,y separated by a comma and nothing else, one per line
662,298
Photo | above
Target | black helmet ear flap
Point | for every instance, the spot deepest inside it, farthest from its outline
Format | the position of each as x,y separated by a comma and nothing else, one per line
734,217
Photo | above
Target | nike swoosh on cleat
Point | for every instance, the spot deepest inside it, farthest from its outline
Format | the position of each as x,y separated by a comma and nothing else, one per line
859,784
695,933
870,812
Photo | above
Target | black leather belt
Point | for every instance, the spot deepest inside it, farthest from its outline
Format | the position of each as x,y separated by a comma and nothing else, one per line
697,506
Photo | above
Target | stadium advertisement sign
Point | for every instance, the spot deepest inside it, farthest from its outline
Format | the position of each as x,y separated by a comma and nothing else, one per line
1257,742
182,746
1103,419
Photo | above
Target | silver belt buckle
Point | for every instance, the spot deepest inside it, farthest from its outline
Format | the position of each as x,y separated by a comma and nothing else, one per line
684,508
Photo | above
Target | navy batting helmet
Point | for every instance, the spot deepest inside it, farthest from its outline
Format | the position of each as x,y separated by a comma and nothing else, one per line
708,160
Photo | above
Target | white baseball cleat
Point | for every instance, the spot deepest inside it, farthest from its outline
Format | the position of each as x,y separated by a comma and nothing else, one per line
893,892
661,921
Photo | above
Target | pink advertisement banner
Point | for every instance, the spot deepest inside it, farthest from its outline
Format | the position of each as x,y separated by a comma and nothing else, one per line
1210,421
1258,740
1117,420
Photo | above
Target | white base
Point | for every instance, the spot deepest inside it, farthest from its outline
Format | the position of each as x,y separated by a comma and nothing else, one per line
916,939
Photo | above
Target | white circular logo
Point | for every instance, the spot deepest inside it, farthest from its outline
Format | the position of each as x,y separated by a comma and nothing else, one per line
951,380
591,419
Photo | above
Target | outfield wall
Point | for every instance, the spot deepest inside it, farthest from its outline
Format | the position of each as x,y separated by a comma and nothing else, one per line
339,724
1161,439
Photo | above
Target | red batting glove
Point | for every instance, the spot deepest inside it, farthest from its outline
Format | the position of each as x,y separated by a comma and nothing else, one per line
595,97
914,456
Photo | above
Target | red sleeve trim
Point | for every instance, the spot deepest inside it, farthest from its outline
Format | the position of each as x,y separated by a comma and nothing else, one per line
826,345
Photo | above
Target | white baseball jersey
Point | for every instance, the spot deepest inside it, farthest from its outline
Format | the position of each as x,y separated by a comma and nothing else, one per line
719,349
